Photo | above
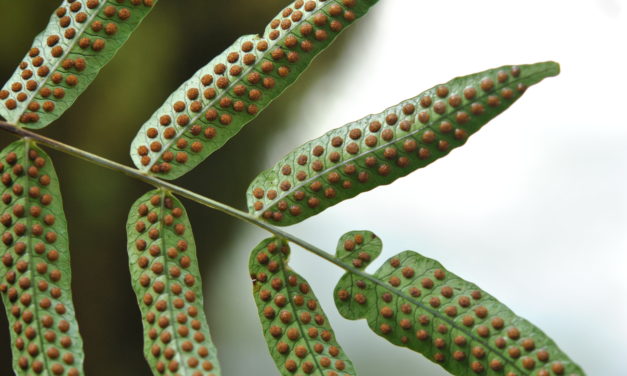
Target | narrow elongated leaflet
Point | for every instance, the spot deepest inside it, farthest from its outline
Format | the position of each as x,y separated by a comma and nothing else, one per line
35,275
81,37
165,277
222,97
428,309
380,148
298,333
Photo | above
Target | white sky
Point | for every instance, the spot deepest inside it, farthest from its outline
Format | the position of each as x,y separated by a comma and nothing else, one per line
534,207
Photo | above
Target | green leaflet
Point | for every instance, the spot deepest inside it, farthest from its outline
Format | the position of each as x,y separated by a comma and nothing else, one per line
380,148
35,275
298,333
165,277
222,97
424,307
81,37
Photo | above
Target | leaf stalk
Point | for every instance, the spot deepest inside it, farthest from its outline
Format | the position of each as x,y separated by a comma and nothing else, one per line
180,191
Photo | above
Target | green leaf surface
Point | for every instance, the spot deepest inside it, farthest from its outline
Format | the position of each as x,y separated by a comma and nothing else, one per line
380,148
297,331
35,275
222,97
81,37
420,305
166,280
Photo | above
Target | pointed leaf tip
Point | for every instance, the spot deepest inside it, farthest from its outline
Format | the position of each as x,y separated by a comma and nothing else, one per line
380,148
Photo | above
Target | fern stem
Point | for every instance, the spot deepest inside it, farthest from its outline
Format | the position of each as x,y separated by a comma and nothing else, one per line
206,201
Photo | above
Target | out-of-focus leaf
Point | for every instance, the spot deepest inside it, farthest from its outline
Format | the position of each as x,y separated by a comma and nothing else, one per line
222,97
35,275
81,37
166,280
298,333
378,149
426,308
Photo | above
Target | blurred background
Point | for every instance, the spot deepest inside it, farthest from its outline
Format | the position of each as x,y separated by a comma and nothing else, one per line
533,208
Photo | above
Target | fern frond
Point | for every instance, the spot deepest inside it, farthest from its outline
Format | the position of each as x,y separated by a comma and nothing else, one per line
81,37
166,280
426,308
378,149
297,331
213,106
35,274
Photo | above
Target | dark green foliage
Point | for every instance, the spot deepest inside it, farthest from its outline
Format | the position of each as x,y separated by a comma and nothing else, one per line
378,149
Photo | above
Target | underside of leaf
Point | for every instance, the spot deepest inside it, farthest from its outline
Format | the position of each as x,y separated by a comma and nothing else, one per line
426,308
81,37
35,275
222,97
166,280
298,333
380,148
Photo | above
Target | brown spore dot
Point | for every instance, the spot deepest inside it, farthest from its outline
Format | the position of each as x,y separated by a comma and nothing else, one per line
439,107
543,356
477,108
470,93
514,352
528,344
426,283
428,136
371,141
84,42
48,106
500,342
439,274
481,312
501,76
124,14
498,323
111,28
507,93
10,104
434,302
182,120
462,117
391,119
422,335
374,126
487,84
528,363
468,321
513,333
98,44
52,40
446,291
291,365
557,368
387,134
262,45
